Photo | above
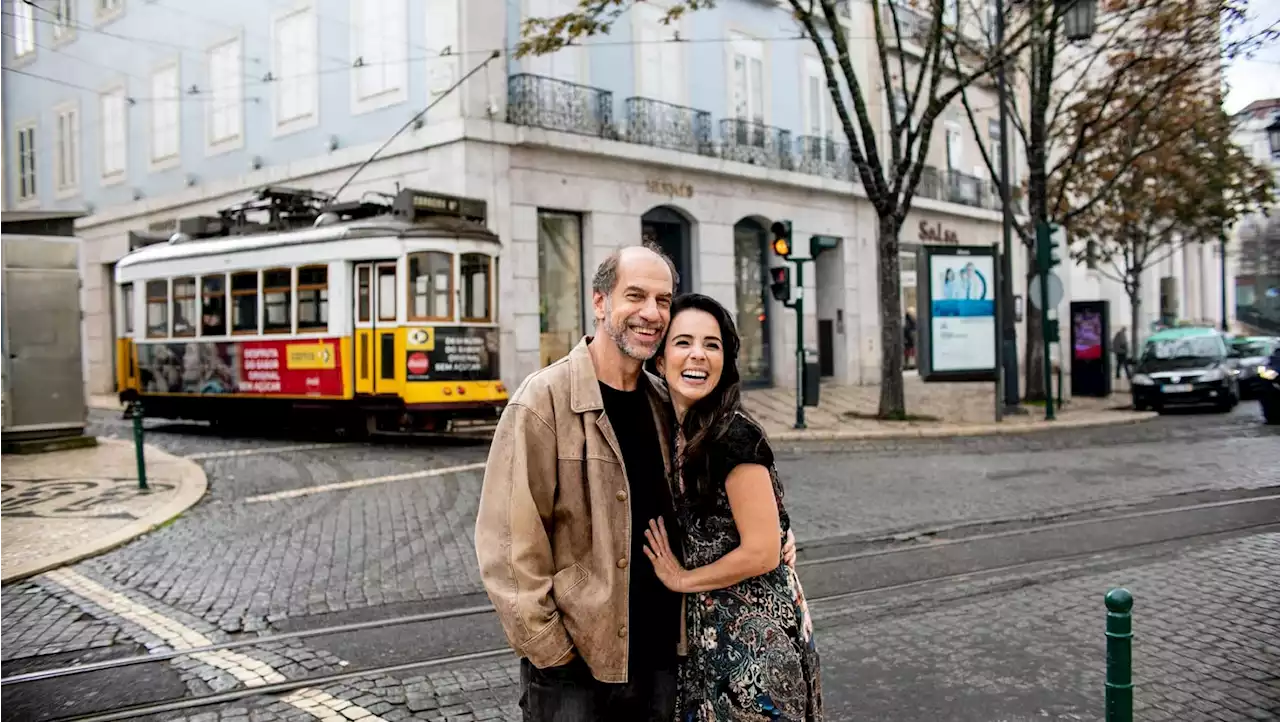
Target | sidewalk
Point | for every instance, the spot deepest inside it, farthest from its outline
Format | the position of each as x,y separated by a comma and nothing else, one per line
63,506
938,409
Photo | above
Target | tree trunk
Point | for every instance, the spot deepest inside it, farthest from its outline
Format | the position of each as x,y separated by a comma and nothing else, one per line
893,403
1135,313
1033,361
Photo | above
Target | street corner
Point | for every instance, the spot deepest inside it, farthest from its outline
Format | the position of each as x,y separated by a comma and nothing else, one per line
65,506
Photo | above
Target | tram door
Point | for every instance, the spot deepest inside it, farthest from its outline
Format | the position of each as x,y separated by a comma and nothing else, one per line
375,332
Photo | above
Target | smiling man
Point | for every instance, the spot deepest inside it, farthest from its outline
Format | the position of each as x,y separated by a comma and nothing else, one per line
579,464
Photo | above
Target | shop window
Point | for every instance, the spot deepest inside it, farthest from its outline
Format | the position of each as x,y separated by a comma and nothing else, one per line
277,299
431,286
157,309
560,306
244,302
476,284
313,298
184,306
213,306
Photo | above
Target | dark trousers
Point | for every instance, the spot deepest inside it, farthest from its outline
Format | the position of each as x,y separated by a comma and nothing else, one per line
1122,363
570,694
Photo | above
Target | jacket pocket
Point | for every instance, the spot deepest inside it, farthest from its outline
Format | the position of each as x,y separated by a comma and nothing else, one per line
566,580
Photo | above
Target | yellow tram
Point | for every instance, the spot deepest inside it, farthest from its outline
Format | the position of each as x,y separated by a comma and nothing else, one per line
377,315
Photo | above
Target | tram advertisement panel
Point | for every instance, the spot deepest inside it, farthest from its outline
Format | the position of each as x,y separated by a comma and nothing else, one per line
267,368
466,353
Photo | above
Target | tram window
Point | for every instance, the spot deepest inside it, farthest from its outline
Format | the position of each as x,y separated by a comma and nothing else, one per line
126,307
157,309
475,287
244,302
277,285
313,298
430,286
362,311
386,293
184,306
213,307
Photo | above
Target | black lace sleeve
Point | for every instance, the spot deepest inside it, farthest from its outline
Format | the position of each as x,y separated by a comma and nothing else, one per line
743,444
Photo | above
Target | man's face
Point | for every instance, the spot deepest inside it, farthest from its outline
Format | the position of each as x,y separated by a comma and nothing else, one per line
636,313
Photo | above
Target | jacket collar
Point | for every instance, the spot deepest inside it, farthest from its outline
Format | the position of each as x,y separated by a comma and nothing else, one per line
584,390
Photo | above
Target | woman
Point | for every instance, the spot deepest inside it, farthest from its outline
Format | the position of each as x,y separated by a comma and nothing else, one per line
751,650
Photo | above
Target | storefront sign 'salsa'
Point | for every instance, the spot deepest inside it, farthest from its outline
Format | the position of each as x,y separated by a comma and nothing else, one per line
667,188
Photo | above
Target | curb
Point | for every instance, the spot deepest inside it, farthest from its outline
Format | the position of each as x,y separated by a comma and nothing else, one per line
944,432
192,485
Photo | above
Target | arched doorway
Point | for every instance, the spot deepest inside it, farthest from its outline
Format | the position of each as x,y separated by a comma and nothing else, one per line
671,231
751,288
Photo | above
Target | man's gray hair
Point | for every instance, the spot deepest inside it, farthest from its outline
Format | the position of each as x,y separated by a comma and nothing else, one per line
606,278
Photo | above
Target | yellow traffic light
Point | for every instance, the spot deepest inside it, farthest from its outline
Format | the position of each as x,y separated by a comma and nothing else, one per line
781,247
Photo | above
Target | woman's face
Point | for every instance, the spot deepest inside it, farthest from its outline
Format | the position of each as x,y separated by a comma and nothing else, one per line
694,356
950,275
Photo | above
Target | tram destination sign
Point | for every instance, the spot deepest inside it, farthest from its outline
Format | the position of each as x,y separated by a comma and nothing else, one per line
414,204
465,353
311,367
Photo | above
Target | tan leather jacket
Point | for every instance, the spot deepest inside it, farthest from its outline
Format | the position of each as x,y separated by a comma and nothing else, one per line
553,535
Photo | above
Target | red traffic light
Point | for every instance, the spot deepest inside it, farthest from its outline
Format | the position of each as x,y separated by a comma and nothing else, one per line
781,274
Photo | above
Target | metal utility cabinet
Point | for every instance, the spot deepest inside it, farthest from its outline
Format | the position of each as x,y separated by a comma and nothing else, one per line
44,398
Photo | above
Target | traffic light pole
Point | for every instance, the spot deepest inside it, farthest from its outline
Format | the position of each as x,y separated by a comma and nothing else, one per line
1042,240
799,306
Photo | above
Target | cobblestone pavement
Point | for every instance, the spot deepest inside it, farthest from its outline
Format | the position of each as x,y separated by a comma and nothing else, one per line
1206,648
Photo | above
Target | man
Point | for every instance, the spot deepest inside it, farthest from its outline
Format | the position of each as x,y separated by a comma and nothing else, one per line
578,466
1120,347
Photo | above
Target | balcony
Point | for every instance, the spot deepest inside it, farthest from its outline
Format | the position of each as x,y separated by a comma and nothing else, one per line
968,190
824,157
663,125
756,143
913,24
541,102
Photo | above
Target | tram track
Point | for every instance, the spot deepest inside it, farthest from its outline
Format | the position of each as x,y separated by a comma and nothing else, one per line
835,578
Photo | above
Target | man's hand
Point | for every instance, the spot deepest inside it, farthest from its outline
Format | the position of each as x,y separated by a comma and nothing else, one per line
789,549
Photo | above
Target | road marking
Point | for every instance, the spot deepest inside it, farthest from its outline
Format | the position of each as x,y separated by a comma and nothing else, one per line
262,450
249,671
358,483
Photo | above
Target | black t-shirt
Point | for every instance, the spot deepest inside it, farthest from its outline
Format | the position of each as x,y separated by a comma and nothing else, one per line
654,609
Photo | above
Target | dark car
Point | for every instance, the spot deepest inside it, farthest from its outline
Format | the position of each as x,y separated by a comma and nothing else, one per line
1185,366
1253,353
1269,392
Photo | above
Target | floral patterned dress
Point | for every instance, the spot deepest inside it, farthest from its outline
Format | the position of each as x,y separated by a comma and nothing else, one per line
751,649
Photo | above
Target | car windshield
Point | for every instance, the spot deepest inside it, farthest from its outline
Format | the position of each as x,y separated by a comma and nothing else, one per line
1251,347
1178,348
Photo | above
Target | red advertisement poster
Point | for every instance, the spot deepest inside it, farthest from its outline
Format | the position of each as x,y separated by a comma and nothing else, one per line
294,367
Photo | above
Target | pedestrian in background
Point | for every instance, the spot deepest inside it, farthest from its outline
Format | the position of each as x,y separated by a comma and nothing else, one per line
1120,347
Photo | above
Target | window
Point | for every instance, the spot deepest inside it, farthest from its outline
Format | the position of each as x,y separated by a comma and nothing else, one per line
126,308
227,86
747,82
166,108
380,46
63,19
955,147
277,303
68,149
990,21
244,302
213,307
661,65
817,101
295,66
313,298
430,286
475,287
184,306
106,7
157,309
114,133
560,284
386,293
365,296
993,134
27,163
24,29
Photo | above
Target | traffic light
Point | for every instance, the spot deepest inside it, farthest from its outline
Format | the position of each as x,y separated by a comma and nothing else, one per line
782,238
780,283
1050,241
818,244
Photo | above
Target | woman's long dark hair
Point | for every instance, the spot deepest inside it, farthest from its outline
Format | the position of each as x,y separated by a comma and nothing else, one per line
709,418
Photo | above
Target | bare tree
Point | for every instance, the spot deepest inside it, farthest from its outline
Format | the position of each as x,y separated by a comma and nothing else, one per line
889,163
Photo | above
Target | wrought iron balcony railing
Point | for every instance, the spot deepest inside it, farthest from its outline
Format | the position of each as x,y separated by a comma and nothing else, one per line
967,189
756,143
824,157
541,102
663,125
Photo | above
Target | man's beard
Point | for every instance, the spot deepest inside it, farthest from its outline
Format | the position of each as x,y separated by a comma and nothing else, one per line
619,336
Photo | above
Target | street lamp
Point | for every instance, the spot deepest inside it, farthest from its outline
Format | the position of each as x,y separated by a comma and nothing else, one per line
1273,136
1077,18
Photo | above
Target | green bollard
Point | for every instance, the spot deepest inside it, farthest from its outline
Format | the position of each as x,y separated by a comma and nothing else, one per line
137,446
1119,698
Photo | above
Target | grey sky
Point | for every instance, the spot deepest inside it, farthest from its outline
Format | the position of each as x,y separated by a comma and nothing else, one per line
1250,80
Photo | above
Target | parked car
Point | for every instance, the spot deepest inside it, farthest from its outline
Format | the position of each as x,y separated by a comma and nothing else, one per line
1186,366
1253,353
1269,392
